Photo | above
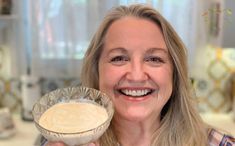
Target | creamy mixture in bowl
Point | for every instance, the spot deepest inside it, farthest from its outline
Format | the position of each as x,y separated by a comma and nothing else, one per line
73,117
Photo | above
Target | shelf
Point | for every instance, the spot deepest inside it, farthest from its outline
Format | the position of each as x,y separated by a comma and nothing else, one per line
7,17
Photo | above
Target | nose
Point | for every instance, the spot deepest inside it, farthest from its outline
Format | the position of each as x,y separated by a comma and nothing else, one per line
137,72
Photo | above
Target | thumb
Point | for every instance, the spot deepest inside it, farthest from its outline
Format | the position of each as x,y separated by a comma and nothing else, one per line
91,144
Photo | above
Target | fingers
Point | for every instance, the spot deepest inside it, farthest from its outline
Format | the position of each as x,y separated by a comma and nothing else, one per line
55,144
62,144
91,144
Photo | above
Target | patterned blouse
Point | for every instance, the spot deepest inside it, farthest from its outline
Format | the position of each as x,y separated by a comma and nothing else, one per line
215,139
218,139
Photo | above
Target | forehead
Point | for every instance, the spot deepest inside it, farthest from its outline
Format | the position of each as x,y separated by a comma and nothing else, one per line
131,24
135,32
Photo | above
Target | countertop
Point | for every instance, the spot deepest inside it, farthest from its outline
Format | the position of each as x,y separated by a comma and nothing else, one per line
26,133
224,122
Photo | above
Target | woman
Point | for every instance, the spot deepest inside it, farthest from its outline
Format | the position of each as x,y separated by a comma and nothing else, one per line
137,59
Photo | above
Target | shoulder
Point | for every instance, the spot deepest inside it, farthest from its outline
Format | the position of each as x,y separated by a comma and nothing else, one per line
217,138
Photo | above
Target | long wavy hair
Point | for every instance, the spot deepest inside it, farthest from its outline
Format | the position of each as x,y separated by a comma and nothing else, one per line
181,124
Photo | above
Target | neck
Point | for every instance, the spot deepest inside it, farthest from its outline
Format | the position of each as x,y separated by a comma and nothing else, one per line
131,133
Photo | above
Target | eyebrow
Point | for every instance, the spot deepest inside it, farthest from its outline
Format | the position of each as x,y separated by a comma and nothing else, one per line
149,51
118,49
152,50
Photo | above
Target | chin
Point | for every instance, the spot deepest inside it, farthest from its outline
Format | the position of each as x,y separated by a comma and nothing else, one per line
133,114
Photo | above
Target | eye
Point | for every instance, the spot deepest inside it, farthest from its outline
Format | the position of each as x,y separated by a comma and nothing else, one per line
154,60
119,60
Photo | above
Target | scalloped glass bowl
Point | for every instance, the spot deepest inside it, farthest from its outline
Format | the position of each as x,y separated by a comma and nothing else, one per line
74,94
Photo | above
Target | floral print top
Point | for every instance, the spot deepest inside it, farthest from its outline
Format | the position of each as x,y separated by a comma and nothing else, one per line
218,139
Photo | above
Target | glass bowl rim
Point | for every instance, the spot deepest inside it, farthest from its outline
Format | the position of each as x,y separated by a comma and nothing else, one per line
110,113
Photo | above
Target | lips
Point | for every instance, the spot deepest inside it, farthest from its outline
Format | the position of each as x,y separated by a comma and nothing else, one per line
136,92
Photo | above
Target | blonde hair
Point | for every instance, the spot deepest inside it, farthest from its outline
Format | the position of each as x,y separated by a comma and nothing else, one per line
181,124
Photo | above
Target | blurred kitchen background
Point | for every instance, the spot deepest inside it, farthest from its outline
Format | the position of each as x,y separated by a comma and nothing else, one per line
42,43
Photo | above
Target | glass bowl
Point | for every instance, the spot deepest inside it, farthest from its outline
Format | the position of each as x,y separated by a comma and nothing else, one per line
73,94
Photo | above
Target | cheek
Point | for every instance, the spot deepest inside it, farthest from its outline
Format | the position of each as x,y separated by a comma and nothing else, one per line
163,77
167,82
108,77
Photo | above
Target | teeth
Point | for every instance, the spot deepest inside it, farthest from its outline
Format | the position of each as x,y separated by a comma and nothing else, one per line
136,92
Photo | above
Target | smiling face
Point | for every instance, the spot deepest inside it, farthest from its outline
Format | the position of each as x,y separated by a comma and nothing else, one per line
135,69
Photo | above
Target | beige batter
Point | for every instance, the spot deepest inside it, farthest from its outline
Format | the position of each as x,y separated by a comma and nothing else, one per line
73,117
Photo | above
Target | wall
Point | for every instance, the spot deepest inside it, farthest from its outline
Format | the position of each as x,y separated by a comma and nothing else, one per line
229,25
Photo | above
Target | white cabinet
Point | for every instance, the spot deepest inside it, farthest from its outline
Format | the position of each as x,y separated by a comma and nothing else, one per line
8,39
7,28
7,14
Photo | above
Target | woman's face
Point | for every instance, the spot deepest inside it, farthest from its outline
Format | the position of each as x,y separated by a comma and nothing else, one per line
135,69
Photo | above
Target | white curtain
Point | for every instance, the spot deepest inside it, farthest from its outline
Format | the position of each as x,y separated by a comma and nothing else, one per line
56,32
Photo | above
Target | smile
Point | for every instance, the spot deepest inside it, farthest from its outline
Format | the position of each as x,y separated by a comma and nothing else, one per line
136,93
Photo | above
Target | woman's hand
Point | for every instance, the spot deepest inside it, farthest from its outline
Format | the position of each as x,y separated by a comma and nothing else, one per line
55,144
62,144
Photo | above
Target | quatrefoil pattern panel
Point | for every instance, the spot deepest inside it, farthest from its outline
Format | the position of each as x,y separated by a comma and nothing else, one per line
212,76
